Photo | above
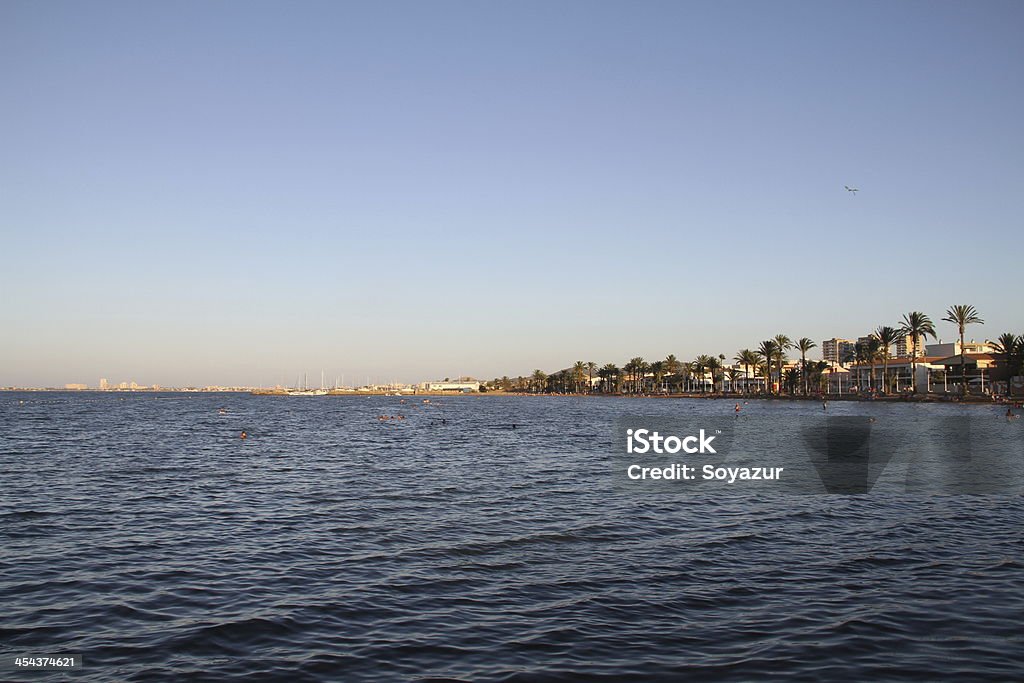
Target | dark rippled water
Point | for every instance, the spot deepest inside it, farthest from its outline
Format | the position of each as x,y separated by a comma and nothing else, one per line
144,534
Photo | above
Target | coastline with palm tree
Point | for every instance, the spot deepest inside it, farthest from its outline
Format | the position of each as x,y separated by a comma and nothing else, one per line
764,371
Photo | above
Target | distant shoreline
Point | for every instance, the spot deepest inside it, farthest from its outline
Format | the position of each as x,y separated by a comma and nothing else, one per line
922,398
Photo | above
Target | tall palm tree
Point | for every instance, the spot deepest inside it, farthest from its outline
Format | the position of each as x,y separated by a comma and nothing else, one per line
733,374
538,379
867,353
672,365
791,380
700,364
658,370
962,315
609,373
783,343
916,325
591,367
714,365
636,367
579,368
887,336
643,368
768,350
816,373
688,370
747,358
804,345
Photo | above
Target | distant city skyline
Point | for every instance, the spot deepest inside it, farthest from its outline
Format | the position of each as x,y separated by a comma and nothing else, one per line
238,193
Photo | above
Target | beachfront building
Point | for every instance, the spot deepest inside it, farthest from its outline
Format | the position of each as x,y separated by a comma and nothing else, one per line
75,387
838,351
837,379
900,374
464,386
976,371
952,348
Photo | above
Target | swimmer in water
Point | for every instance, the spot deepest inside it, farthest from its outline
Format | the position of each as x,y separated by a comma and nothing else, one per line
244,435
513,425
824,405
737,408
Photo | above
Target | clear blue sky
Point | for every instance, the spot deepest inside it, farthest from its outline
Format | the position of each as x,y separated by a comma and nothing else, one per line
237,192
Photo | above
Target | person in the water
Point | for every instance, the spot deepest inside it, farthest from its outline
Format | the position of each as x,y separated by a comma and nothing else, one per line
244,435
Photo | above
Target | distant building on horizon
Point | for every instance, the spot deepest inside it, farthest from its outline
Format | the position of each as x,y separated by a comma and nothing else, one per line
464,385
76,387
104,385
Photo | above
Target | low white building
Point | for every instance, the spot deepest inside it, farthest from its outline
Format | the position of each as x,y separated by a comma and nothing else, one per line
463,385
953,348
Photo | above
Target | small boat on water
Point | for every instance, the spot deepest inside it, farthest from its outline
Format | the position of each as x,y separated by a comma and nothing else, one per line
307,392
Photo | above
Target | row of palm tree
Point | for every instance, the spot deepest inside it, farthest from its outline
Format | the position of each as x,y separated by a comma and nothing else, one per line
767,360
914,326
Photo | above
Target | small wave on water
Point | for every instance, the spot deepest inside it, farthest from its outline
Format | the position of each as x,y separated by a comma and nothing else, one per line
146,536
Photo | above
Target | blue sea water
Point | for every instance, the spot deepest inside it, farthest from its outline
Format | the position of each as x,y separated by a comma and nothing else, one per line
141,532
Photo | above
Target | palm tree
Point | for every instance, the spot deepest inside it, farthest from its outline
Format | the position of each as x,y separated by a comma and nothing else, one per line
643,369
746,358
1012,350
591,367
538,379
636,367
768,350
791,380
714,366
579,368
658,370
868,352
962,315
609,373
804,345
783,343
916,325
672,365
887,336
688,370
816,373
701,364
733,374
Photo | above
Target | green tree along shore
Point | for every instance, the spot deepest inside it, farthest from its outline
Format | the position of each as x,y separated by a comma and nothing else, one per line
763,371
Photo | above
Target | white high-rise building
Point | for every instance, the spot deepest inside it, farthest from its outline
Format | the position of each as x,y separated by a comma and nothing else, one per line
103,384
